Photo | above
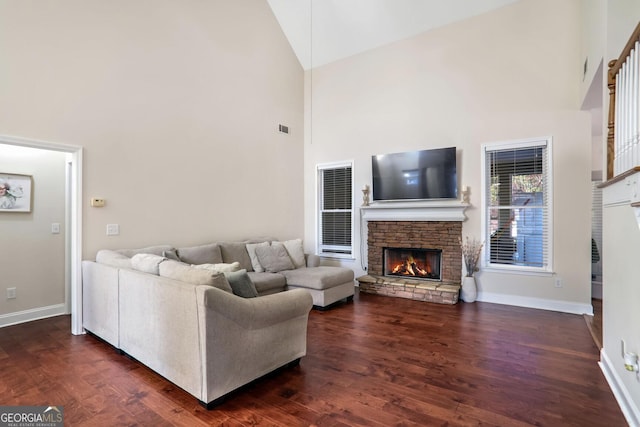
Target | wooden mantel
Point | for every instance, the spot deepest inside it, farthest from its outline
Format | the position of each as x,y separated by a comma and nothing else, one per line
440,210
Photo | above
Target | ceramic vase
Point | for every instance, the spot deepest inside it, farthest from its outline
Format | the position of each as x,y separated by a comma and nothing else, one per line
469,292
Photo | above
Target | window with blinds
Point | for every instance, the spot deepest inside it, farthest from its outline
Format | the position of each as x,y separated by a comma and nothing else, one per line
517,200
335,216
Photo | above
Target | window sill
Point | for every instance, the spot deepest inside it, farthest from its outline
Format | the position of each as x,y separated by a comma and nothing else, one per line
523,271
334,256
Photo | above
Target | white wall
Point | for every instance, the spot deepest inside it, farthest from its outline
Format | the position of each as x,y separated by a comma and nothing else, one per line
32,257
510,74
176,104
621,241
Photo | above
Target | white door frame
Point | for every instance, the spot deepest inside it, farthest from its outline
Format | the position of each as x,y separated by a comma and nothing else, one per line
74,230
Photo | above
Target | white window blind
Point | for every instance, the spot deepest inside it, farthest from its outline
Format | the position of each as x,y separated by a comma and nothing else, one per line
517,205
335,216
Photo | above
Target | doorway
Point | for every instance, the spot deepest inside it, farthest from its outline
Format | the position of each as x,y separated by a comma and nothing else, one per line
72,230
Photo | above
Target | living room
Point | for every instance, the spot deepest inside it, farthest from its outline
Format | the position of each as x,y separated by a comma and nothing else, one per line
176,107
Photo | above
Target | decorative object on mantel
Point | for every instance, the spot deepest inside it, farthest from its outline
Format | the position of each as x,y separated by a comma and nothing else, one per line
465,194
471,249
365,195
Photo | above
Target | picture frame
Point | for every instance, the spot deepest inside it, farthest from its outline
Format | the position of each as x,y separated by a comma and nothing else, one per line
15,192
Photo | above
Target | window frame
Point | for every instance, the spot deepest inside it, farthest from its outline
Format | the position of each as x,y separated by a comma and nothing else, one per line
486,195
320,168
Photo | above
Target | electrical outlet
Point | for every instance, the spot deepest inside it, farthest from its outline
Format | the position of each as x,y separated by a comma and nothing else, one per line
11,293
558,282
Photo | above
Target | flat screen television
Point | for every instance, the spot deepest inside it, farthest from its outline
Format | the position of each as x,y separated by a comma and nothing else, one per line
415,175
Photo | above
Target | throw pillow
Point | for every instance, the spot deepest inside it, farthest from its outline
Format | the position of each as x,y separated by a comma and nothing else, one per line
203,254
296,252
241,284
236,251
147,263
274,258
251,249
220,268
172,254
185,273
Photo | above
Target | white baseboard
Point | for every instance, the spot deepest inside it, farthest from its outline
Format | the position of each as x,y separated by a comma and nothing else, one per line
540,303
620,392
32,314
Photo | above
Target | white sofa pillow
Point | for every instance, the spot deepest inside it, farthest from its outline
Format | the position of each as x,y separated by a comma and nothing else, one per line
296,252
255,262
197,276
220,267
147,263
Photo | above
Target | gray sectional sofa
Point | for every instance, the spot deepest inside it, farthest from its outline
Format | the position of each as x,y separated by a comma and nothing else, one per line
174,311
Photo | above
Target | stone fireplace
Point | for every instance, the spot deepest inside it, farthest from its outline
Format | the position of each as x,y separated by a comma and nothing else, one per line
421,243
441,236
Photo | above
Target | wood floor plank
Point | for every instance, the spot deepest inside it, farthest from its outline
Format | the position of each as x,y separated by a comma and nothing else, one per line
378,361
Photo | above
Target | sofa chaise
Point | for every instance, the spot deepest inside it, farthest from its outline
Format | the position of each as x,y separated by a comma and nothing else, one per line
185,322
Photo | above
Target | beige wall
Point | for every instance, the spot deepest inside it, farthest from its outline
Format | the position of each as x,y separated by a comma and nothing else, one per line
176,104
621,243
592,47
510,74
32,257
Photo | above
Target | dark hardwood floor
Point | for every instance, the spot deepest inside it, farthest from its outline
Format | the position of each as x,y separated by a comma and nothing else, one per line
379,361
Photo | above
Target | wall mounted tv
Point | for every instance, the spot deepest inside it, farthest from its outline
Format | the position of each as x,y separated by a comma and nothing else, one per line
415,175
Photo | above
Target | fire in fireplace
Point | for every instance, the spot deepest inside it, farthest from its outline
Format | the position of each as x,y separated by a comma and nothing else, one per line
413,263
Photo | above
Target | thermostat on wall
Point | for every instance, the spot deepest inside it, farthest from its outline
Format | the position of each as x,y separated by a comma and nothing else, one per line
97,203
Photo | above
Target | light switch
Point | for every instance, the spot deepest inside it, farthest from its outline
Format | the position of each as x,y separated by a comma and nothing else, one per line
55,228
113,229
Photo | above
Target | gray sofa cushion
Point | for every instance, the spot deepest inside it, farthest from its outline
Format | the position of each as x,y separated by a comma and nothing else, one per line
185,273
241,284
173,254
268,283
203,254
274,258
236,251
323,277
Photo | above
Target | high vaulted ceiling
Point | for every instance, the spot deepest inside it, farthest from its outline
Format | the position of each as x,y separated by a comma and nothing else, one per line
341,28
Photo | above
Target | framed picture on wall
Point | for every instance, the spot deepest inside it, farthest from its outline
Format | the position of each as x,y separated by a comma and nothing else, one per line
15,192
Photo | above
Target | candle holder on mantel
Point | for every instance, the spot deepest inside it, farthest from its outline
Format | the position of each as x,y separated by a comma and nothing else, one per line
465,194
365,195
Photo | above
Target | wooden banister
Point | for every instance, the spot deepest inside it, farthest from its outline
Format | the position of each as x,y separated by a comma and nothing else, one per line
614,68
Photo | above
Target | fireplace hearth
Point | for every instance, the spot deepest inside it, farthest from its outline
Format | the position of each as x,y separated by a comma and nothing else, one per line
414,263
